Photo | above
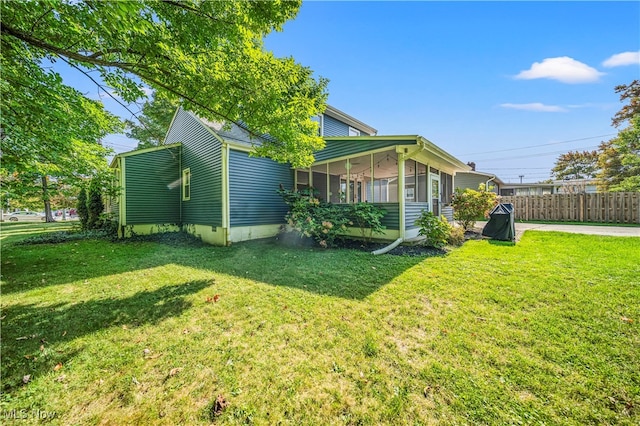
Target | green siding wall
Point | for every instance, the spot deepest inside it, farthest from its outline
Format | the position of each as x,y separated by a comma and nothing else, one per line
153,187
391,220
253,183
202,153
341,148
333,127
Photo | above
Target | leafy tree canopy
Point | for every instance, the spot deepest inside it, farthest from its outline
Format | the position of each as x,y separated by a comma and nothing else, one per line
576,165
153,122
619,160
630,92
207,54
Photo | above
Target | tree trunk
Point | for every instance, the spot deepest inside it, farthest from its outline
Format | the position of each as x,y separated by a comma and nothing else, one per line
47,200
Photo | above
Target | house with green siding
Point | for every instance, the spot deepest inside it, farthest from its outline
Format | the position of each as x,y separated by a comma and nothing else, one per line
204,181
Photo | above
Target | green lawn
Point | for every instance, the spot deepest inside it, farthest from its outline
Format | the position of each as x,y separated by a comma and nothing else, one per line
543,332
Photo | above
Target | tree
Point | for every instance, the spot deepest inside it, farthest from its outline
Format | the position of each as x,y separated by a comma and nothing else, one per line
619,158
576,166
82,209
632,93
208,55
153,122
95,206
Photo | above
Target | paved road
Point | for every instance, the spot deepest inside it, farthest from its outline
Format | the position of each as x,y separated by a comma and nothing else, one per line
616,231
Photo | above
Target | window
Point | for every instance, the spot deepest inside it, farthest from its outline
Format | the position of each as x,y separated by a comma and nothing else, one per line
186,184
302,179
353,132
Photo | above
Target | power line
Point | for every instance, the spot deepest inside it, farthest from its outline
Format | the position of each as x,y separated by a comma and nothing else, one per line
542,154
536,146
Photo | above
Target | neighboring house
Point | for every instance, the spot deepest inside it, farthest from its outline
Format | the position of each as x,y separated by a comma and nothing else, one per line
556,187
472,180
204,181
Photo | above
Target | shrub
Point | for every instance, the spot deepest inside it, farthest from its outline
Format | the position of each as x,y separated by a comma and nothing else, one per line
95,206
437,230
313,218
367,217
81,207
326,222
469,205
456,237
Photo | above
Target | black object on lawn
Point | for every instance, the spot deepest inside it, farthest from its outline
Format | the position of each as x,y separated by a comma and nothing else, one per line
501,225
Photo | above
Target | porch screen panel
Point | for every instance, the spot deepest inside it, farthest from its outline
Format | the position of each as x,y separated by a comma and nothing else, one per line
338,182
410,180
385,177
320,181
421,186
359,176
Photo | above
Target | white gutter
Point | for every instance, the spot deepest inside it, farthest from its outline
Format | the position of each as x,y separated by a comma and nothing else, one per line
388,248
486,185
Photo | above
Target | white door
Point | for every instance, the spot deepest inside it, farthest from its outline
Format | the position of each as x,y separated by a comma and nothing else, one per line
434,193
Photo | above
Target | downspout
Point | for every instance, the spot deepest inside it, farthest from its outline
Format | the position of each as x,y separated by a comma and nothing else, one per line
486,185
388,248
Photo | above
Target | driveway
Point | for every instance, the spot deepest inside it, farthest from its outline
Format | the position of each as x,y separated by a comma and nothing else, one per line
616,231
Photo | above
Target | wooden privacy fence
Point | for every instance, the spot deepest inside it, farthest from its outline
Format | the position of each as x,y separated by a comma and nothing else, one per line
613,207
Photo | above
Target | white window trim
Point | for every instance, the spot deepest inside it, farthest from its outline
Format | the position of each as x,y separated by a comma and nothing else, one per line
353,131
186,175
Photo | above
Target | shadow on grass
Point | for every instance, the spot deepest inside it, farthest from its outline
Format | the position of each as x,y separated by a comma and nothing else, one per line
27,329
350,274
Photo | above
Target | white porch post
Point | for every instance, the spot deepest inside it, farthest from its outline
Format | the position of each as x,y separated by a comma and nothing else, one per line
401,192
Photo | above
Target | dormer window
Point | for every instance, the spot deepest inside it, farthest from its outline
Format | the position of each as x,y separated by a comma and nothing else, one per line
353,132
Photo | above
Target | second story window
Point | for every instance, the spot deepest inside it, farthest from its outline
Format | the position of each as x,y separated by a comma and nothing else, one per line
353,132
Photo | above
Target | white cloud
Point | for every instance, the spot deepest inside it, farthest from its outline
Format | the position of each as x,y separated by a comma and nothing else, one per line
564,69
622,59
536,106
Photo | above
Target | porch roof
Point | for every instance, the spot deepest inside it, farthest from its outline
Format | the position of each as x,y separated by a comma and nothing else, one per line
417,146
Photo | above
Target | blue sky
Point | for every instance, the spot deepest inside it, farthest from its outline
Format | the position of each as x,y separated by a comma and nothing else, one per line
482,80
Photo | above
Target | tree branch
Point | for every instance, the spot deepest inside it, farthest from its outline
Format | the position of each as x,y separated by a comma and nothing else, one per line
103,88
58,50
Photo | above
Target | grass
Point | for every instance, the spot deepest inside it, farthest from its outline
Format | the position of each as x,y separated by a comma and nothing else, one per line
545,331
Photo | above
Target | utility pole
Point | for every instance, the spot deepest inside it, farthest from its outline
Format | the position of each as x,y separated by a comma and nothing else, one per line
521,176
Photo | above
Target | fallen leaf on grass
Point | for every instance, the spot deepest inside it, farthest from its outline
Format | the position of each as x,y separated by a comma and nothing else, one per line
64,334
218,407
41,348
627,320
26,379
61,378
22,338
214,299
175,371
57,367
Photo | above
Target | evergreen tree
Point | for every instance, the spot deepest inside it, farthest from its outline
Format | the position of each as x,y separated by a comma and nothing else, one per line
95,206
81,207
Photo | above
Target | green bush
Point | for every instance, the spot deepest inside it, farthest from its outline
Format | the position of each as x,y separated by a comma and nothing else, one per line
310,217
469,205
368,218
326,222
456,237
81,207
95,206
436,230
